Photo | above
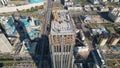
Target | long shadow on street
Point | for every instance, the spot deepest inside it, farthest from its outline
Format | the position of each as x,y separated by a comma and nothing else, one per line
42,55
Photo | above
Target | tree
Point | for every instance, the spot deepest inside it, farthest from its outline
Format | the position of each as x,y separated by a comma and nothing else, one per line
32,9
41,7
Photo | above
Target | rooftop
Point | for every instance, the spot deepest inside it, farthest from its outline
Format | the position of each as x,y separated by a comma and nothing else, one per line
111,30
62,23
94,19
99,31
116,12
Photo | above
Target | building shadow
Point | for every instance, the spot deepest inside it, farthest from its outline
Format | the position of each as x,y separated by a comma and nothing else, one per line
105,16
1,65
45,55
3,30
40,53
63,2
23,34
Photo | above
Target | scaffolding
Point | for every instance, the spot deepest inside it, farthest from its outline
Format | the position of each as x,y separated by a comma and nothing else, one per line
62,39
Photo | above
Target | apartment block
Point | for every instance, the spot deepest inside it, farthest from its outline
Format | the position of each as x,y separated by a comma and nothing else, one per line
103,39
114,14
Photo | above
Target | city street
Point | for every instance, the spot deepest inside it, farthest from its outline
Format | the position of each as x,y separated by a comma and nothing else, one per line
15,8
44,34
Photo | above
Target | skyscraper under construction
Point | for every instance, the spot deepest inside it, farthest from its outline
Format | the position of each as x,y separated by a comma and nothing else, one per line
62,39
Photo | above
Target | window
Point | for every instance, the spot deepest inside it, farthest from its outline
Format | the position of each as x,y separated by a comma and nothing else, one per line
57,48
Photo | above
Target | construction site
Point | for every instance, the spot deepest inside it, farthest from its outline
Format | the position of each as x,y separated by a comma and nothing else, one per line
67,46
94,19
62,29
62,39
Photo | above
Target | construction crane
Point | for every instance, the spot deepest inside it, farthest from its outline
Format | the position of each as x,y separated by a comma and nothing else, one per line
55,15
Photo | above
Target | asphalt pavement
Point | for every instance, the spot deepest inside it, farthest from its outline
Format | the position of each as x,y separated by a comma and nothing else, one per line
44,33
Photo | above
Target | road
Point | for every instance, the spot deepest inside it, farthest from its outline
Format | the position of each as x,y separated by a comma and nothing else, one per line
20,8
44,33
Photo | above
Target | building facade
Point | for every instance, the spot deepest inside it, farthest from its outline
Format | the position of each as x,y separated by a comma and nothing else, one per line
8,25
5,46
114,39
4,2
114,14
103,39
62,39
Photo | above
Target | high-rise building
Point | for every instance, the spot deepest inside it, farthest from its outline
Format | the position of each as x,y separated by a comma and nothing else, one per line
62,39
103,39
100,61
5,46
114,14
114,39
114,36
4,2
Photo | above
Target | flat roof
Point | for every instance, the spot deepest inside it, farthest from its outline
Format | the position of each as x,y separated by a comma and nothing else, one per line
94,19
116,12
64,24
111,29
